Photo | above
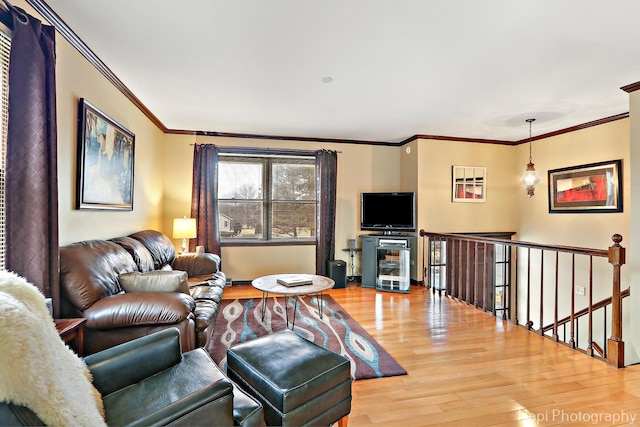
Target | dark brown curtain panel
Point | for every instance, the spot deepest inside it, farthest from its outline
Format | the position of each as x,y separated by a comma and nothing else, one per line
326,178
203,198
31,173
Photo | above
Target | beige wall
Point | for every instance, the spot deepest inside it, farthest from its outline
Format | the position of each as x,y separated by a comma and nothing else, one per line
360,168
76,79
438,213
633,242
409,173
595,144
410,167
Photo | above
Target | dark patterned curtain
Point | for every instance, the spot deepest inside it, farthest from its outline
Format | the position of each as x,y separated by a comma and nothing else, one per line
326,178
203,198
31,174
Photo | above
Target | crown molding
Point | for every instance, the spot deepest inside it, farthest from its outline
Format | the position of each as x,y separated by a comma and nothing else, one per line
457,138
631,88
575,128
50,16
280,138
53,19
525,140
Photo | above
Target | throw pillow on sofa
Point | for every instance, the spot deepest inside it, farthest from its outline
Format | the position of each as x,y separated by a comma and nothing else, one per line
155,281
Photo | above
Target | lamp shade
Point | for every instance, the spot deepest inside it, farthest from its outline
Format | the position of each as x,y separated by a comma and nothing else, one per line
530,178
184,228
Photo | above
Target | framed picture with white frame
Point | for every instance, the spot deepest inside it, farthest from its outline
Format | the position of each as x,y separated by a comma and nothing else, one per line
468,184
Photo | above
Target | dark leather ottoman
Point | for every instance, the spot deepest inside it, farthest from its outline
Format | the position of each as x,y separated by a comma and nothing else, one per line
298,382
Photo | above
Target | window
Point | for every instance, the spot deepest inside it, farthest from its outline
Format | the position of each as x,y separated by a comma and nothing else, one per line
266,198
5,46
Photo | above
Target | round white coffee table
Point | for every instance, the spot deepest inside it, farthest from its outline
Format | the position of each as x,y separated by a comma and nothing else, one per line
269,284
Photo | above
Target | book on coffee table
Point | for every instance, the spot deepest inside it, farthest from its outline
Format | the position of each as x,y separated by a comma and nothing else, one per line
295,280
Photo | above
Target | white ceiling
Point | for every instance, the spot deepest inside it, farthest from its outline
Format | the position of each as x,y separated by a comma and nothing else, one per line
461,68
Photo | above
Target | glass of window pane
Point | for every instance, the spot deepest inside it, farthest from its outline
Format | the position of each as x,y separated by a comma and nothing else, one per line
291,181
293,220
242,180
241,219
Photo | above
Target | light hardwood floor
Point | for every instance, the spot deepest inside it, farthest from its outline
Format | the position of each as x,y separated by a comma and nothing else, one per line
466,368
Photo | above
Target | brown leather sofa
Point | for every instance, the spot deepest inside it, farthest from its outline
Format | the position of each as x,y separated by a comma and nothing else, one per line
90,287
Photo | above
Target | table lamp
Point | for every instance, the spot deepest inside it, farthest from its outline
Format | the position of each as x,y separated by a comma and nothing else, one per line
184,228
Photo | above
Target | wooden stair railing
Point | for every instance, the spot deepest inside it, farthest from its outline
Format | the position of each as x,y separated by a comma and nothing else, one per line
600,304
463,269
585,311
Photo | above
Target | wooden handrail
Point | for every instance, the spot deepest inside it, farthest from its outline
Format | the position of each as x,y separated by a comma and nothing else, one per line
605,302
521,244
464,276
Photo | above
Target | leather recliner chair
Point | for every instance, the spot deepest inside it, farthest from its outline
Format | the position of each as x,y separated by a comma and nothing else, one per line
148,381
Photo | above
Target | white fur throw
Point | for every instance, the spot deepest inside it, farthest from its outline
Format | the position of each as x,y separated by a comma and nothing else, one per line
37,369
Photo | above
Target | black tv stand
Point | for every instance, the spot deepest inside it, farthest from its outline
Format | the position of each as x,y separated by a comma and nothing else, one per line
373,248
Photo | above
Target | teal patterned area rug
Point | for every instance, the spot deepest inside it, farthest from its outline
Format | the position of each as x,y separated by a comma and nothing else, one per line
240,320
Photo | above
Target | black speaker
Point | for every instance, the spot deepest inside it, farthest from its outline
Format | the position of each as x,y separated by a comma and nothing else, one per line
338,273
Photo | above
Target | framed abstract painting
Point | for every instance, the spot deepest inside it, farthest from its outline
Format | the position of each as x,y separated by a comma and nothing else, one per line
591,188
105,161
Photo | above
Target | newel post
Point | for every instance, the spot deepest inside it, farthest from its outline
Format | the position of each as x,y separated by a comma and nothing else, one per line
615,353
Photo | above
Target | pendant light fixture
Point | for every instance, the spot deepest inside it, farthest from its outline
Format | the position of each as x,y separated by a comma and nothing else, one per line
530,178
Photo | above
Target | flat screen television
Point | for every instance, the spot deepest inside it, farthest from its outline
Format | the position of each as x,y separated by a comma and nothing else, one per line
388,212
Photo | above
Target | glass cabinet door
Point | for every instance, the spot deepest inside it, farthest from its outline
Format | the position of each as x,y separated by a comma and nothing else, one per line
393,272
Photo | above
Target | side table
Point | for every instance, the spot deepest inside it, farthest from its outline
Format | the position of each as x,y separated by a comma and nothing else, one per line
352,253
72,330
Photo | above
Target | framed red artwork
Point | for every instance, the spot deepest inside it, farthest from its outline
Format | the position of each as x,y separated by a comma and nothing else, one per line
591,188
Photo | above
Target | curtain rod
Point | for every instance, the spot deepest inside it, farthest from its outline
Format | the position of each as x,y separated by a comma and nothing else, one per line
253,149
5,14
